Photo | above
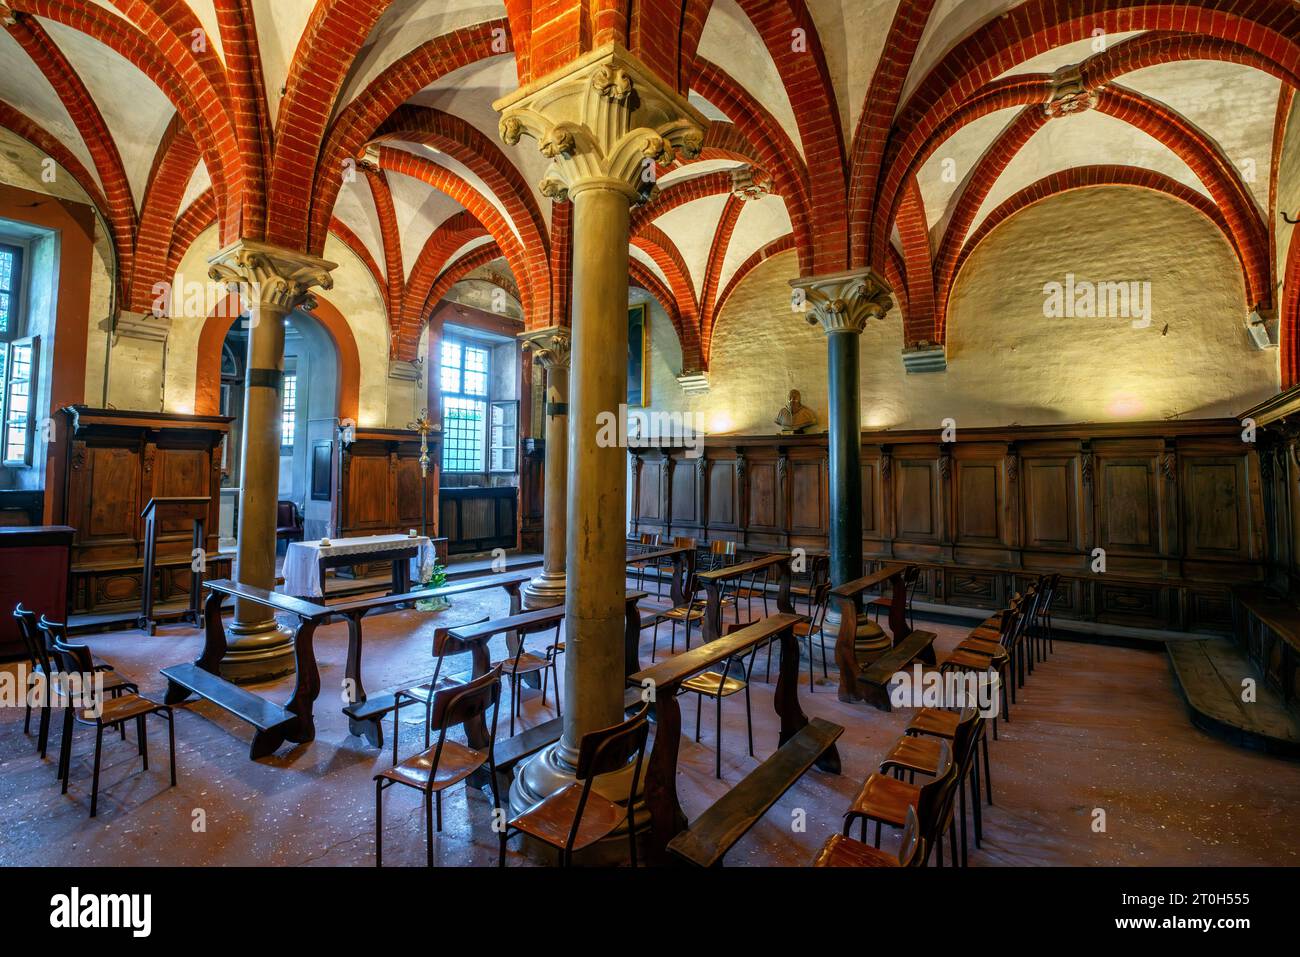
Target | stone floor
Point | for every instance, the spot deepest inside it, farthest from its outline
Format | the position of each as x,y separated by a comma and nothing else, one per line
1097,727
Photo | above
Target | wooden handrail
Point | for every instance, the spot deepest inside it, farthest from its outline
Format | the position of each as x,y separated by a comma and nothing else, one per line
740,569
680,667
273,599
858,586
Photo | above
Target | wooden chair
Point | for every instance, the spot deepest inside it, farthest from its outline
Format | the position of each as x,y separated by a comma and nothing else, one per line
880,603
993,651
40,672
54,632
524,662
424,690
752,590
435,769
113,712
841,851
721,554
575,818
914,754
715,685
647,540
886,800
804,631
691,611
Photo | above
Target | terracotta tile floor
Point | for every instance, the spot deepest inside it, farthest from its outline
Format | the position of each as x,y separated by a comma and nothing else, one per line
1096,727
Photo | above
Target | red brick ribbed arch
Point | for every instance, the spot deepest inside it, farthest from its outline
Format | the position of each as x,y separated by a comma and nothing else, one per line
1092,177
358,121
1037,26
207,383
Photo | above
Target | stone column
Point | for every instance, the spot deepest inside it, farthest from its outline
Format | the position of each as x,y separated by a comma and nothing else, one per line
605,121
271,283
842,303
551,347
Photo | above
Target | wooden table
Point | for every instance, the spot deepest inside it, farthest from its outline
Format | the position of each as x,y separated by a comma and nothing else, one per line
683,569
663,681
713,581
362,550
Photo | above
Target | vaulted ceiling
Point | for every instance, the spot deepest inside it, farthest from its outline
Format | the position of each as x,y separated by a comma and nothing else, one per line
851,132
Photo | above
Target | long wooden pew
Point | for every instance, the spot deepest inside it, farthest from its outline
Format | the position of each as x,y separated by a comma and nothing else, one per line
274,724
757,791
870,680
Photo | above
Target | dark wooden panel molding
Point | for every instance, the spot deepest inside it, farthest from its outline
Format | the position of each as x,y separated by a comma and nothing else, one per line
1176,506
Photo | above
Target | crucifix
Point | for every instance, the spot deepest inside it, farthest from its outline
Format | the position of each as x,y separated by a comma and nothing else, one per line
424,425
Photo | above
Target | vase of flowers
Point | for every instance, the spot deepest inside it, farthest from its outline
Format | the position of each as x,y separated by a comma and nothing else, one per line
434,577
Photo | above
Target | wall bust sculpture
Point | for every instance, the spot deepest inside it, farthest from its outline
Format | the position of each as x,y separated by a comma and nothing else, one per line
795,417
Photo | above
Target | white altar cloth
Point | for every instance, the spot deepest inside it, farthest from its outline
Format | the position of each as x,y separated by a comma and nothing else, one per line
302,559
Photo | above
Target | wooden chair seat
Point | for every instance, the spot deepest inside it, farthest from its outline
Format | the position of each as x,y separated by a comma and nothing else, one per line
425,691
841,851
456,764
551,819
804,628
912,754
969,660
683,614
887,799
112,682
986,631
713,684
980,646
113,710
527,663
880,601
935,722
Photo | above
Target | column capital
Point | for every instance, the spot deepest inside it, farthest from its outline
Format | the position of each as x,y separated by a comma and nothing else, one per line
844,301
599,119
275,278
550,346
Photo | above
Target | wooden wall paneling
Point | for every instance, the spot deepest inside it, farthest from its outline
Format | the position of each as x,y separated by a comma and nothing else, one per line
722,496
1129,495
1052,514
809,496
685,497
918,491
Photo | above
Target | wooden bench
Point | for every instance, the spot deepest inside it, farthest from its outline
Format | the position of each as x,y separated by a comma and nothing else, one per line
717,830
713,582
860,680
663,681
365,714
274,724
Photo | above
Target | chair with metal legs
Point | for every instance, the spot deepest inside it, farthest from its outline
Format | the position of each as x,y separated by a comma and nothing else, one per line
842,851
715,685
886,800
524,662
423,691
39,677
435,769
576,816
86,706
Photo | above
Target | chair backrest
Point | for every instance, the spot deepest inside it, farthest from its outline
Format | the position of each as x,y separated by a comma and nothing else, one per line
910,851
821,598
722,552
286,514
443,644
52,632
32,640
935,800
648,538
966,736
455,705
608,750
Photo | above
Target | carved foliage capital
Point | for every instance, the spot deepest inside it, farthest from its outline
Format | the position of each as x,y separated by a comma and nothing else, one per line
600,120
844,302
551,347
268,276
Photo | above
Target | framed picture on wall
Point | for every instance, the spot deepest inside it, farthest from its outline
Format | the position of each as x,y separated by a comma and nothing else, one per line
638,356
321,473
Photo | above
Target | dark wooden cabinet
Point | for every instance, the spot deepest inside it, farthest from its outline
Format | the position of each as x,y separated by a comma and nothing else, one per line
1176,507
34,566
381,491
117,461
479,519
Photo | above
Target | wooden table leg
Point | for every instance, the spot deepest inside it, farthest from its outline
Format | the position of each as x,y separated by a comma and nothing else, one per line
476,728
785,700
712,624
307,686
666,817
631,638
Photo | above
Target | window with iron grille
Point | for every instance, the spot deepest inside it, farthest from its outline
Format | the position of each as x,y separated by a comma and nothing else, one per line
289,411
11,265
464,379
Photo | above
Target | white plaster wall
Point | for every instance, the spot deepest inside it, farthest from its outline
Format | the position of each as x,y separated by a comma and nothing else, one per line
1007,363
354,294
21,165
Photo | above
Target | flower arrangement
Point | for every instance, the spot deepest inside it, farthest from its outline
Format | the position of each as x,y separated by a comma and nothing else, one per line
434,577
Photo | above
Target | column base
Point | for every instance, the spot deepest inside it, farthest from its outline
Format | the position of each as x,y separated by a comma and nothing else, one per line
262,651
547,773
545,591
